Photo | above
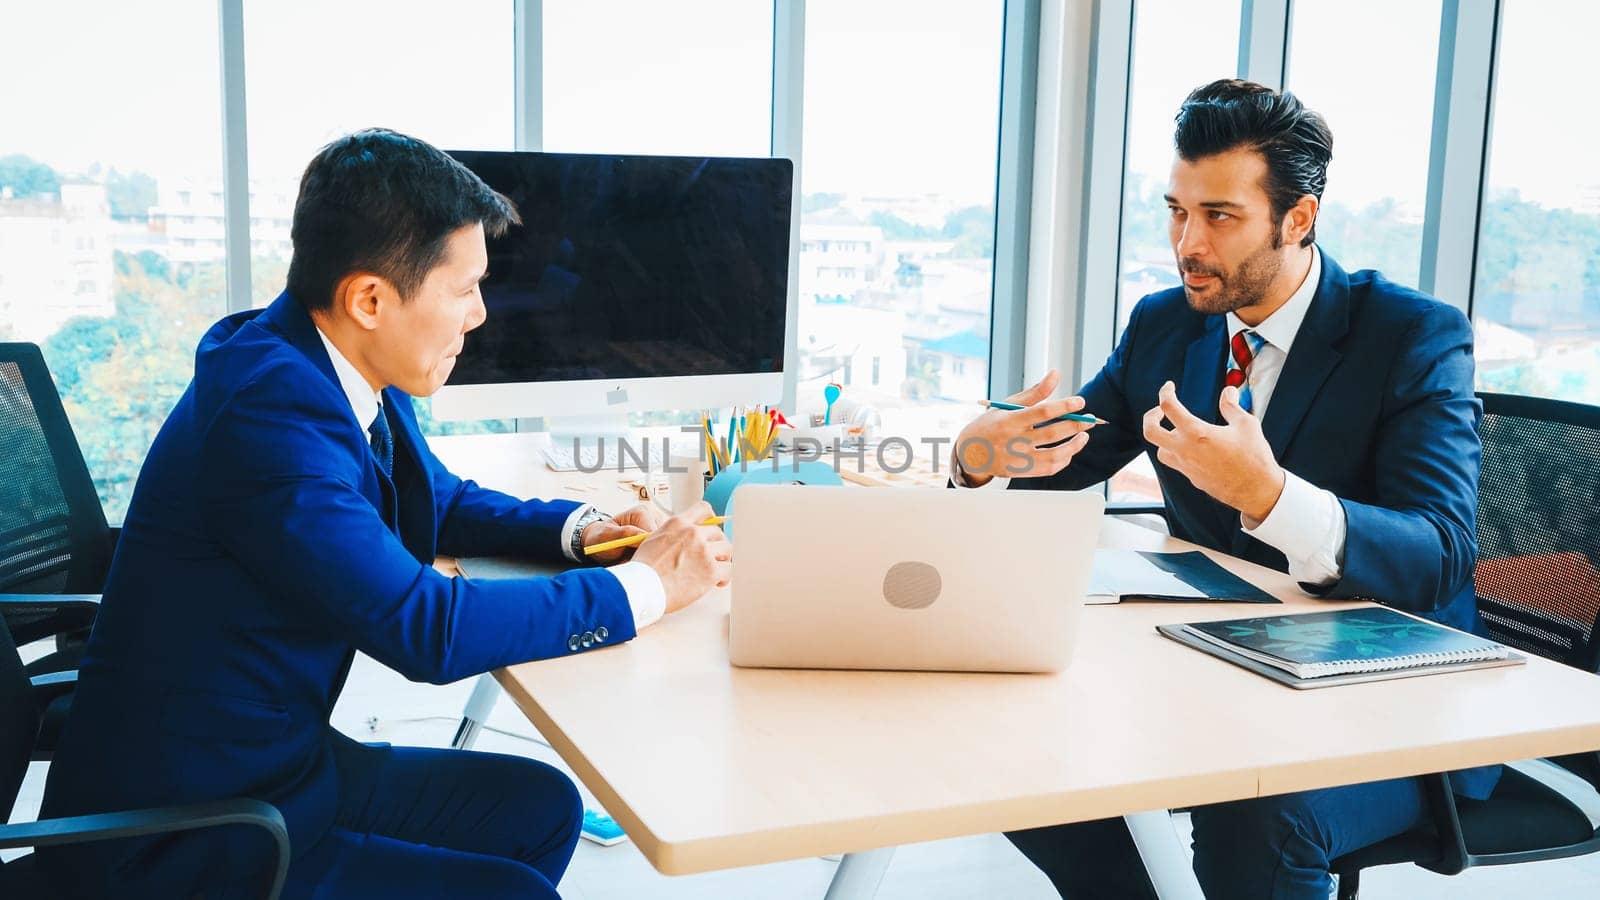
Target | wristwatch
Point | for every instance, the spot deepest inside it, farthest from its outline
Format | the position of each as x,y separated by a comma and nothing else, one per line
584,521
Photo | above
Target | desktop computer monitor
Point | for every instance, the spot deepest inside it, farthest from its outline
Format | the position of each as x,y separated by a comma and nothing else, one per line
634,283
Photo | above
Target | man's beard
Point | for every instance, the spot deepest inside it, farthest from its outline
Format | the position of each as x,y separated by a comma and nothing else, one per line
1246,285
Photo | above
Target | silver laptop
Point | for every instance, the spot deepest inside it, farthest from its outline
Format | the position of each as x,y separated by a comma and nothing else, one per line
906,578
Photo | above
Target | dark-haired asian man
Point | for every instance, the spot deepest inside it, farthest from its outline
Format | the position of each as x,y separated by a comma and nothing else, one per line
1312,420
286,517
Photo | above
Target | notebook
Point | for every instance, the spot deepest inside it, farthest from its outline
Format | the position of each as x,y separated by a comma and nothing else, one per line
1146,575
1341,646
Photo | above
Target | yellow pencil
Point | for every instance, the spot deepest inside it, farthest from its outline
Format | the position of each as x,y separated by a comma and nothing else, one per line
637,539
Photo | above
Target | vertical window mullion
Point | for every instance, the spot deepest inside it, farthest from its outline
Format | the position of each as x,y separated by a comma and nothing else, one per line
528,63
788,121
1100,235
1264,41
235,155
1459,158
1013,193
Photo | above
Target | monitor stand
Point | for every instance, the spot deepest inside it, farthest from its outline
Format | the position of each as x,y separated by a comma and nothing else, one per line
587,429
577,437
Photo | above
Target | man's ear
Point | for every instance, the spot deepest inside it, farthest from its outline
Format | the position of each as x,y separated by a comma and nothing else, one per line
360,296
1298,220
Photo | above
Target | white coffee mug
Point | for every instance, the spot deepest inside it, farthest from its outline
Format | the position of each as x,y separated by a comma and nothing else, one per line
685,484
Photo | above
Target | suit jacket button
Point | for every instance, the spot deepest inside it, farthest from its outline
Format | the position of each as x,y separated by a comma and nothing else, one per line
572,643
601,634
588,639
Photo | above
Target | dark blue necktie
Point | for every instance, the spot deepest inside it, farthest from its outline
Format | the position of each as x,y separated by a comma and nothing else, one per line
382,443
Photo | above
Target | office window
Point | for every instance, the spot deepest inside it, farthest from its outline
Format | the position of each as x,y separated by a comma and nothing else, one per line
641,76
1381,114
1178,45
104,111
316,71
1536,295
899,162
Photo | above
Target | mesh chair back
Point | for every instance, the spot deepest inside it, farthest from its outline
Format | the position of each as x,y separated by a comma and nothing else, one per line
1538,572
19,723
53,533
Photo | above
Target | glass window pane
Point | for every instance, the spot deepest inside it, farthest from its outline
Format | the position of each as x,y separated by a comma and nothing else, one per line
690,77
105,110
1536,299
1178,45
1372,210
402,64
902,106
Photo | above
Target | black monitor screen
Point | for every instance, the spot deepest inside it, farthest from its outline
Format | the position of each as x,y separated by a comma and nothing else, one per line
632,267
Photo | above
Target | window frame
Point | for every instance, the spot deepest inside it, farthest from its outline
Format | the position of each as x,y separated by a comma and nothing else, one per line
1013,190
1062,145
1457,160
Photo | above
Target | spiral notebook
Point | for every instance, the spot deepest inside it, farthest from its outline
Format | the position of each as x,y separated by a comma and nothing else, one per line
1341,646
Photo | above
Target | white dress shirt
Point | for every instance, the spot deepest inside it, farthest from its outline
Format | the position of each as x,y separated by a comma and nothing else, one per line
646,595
1307,525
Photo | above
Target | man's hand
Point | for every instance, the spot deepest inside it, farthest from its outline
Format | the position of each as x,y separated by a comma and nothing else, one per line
1232,462
638,520
689,557
1005,442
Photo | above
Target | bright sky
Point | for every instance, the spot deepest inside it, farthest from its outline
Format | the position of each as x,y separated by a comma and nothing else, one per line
901,95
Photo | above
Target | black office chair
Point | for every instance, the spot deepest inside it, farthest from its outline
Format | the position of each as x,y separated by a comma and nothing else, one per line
55,546
19,723
1538,581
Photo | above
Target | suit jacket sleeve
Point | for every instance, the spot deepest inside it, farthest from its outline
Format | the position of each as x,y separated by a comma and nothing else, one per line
1415,548
476,521
278,490
1112,445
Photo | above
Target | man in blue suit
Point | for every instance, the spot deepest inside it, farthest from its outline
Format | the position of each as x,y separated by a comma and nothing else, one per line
1315,421
286,517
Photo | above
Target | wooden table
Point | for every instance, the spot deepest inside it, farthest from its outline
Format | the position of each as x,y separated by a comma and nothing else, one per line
708,766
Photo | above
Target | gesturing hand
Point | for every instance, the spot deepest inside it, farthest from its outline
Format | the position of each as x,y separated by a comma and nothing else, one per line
1231,462
1006,443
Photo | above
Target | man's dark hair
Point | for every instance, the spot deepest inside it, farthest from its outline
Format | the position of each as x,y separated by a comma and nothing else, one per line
1232,113
381,202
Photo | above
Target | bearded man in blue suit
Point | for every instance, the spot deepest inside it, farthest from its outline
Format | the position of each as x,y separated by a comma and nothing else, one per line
286,517
1313,420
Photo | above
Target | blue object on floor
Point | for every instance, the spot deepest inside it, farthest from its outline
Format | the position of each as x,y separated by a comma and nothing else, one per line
602,829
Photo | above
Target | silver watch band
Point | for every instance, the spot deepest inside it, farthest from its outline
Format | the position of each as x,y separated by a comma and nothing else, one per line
584,521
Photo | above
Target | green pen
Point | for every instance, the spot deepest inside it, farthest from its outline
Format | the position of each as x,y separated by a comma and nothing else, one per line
1064,417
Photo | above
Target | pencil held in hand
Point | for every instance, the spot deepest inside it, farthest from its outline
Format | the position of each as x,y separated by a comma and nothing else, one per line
1064,417
634,540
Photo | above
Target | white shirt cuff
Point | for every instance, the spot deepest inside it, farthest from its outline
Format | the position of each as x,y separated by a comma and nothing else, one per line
1307,526
566,530
646,596
959,477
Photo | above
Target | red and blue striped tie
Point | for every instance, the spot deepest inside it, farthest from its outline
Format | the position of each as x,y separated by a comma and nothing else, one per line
1246,344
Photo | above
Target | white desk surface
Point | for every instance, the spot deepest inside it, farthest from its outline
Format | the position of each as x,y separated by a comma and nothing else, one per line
709,766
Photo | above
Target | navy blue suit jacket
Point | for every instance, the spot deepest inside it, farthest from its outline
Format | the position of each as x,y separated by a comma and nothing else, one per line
1375,403
262,548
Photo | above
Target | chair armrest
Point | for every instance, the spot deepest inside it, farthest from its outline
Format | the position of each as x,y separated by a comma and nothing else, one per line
157,820
51,685
48,614
1134,508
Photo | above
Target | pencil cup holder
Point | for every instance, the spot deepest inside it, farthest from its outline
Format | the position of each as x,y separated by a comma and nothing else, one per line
719,493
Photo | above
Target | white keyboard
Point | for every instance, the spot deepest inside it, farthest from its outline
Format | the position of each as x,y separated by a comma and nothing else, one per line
560,459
